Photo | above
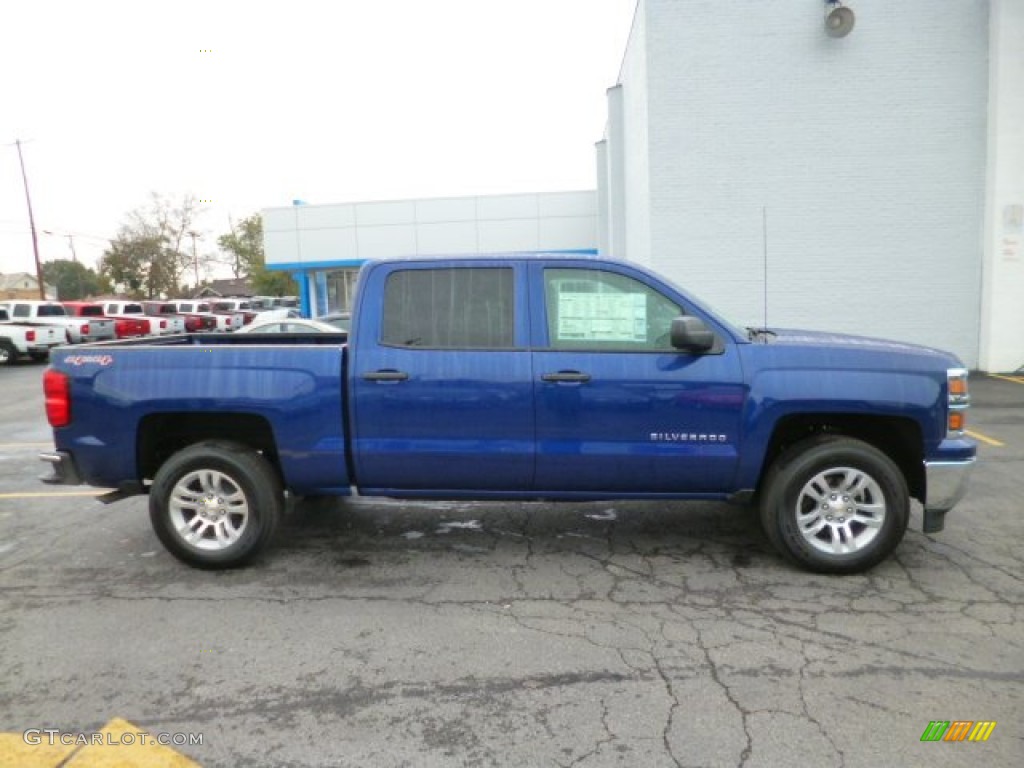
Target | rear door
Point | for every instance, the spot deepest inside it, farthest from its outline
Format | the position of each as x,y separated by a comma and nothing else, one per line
619,410
440,382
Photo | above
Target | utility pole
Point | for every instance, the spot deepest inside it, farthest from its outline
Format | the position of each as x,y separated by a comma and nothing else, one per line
31,224
195,257
71,243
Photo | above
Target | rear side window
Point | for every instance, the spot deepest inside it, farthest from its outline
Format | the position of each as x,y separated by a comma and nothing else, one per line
464,308
91,311
51,310
22,310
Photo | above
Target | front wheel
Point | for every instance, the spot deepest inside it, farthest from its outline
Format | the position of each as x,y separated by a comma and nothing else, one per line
215,504
835,505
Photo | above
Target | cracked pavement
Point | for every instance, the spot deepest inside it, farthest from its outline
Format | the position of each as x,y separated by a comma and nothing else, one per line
383,633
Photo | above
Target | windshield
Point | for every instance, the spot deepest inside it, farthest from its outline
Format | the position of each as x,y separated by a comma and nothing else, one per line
91,311
132,309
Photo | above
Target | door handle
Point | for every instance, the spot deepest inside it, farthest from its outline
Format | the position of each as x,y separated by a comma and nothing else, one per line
386,376
566,377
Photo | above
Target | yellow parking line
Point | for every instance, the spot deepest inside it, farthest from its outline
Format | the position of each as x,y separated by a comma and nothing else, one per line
1014,379
18,750
118,745
984,439
49,494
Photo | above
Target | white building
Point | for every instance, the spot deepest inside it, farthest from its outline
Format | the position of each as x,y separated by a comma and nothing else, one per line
889,164
882,173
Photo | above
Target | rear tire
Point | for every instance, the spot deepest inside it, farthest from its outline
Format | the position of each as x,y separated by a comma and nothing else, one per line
835,505
8,352
216,504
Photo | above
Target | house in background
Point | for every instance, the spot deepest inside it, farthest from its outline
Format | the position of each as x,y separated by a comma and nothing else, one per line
22,285
234,287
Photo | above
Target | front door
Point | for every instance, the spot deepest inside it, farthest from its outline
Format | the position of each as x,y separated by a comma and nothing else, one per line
618,409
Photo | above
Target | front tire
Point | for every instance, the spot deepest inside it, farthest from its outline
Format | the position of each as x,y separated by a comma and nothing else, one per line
216,504
835,505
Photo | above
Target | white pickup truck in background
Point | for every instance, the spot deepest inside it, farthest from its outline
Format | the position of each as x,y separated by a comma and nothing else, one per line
158,326
79,329
226,321
31,339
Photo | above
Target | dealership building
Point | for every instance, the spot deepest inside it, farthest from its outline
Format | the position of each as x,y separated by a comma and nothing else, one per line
868,183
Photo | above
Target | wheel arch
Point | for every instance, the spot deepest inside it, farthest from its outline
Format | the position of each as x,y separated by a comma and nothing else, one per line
161,435
898,438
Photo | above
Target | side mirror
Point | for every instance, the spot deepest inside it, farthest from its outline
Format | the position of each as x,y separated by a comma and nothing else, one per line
690,334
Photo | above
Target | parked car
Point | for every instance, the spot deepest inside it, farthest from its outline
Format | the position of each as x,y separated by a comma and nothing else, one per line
225,321
166,310
290,325
242,306
27,338
156,326
124,327
340,320
78,329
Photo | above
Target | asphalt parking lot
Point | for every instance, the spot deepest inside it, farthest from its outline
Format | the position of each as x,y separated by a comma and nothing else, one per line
390,634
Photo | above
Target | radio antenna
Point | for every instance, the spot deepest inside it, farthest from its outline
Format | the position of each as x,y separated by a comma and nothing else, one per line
764,239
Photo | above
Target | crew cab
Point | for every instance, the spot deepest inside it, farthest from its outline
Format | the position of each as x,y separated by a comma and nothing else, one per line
124,328
78,329
546,378
155,326
27,339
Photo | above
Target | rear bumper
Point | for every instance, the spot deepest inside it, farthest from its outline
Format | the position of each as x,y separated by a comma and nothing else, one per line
64,470
945,485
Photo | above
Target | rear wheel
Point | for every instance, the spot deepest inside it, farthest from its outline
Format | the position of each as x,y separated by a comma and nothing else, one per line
8,352
835,505
216,504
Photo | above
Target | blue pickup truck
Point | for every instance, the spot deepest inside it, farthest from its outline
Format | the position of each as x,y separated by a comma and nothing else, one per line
553,378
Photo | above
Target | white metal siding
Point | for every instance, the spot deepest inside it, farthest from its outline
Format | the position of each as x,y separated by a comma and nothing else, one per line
868,153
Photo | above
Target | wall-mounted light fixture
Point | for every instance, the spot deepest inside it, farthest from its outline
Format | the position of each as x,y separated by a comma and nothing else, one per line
839,19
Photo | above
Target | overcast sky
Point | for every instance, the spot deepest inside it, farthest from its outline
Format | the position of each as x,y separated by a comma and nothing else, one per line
326,101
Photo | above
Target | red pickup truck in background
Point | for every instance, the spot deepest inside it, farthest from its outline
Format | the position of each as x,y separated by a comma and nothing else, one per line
124,327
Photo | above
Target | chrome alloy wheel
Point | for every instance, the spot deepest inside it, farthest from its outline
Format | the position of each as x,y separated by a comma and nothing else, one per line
208,510
840,510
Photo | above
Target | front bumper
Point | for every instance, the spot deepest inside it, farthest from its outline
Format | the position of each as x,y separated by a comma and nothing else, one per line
945,485
64,470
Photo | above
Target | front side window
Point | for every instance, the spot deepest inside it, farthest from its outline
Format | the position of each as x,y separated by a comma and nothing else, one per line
592,309
462,308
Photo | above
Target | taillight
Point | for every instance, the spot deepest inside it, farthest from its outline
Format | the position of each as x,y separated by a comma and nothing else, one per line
30,335
163,324
85,329
57,389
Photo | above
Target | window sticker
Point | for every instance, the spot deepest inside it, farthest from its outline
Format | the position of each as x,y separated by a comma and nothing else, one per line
602,317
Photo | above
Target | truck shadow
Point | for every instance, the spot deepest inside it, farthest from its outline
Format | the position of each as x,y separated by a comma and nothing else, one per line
360,532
